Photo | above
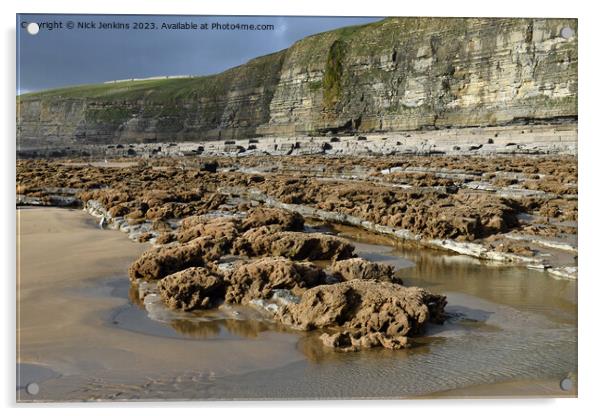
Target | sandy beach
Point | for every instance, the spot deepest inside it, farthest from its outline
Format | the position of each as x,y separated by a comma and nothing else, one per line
97,345
63,314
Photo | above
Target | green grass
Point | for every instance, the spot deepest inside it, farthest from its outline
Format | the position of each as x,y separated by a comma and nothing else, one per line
110,115
253,72
315,86
332,80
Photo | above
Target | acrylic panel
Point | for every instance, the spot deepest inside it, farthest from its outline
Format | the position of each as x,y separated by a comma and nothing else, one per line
318,207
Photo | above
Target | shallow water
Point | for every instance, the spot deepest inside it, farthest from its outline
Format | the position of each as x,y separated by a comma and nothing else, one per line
506,324
525,289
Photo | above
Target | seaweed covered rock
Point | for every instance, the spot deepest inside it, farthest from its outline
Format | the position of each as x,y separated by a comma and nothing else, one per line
365,313
192,288
107,197
267,241
159,262
353,341
358,268
165,238
257,279
221,229
192,221
262,216
119,210
430,213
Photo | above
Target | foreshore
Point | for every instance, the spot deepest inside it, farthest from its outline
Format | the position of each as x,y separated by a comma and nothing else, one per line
69,317
510,210
111,360
520,139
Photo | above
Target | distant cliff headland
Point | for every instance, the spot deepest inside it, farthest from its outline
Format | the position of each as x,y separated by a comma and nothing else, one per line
398,74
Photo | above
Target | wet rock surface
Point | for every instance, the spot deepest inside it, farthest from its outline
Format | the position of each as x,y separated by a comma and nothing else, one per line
358,268
464,204
259,278
294,245
192,288
237,234
365,314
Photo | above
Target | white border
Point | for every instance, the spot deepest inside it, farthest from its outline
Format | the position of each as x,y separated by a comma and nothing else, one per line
590,140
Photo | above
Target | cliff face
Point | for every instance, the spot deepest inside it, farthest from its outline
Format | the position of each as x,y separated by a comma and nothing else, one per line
394,75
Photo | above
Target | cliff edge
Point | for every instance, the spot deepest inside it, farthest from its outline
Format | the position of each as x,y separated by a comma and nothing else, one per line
397,74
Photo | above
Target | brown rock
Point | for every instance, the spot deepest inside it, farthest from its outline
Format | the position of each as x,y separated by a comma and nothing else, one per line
136,215
221,229
157,263
136,221
257,279
156,197
165,238
294,245
191,221
192,288
118,211
144,237
160,212
372,313
107,197
358,268
261,216
161,225
346,341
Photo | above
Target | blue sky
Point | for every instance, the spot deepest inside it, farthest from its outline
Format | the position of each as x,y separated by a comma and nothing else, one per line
62,56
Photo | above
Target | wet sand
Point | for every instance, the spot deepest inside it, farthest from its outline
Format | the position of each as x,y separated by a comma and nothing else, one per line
82,337
64,314
511,389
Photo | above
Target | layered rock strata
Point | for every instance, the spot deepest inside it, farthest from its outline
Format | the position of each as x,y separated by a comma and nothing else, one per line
399,74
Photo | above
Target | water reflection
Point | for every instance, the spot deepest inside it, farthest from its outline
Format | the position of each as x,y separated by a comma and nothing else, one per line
519,287
314,350
490,309
211,329
212,324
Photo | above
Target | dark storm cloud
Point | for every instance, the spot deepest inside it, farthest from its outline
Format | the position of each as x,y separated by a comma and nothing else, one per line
58,57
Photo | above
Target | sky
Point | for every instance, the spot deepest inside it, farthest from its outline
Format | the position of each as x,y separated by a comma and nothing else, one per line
61,56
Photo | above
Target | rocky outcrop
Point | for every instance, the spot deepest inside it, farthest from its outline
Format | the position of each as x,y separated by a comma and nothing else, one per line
159,262
358,268
259,278
265,241
521,210
394,75
263,216
365,313
192,288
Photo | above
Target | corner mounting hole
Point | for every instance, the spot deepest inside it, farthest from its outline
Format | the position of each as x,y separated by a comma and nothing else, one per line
566,384
33,28
567,32
33,388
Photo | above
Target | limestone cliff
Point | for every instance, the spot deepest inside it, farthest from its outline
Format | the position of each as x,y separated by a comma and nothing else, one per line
394,75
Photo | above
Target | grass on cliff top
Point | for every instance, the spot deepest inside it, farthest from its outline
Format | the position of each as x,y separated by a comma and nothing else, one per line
256,71
254,74
361,40
119,90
